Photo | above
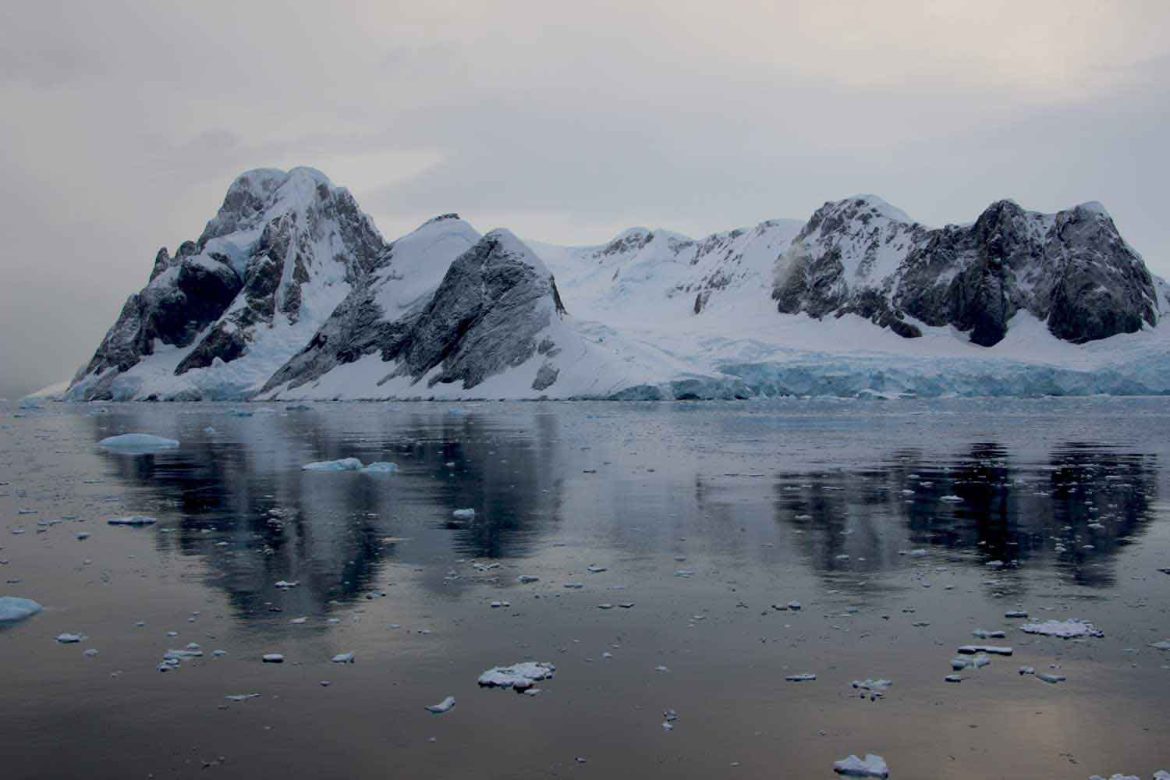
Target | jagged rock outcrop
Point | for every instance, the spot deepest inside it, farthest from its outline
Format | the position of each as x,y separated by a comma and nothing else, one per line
492,311
283,250
1071,270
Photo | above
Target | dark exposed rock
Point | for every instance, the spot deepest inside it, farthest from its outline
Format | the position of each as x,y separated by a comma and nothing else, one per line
487,315
1071,269
275,234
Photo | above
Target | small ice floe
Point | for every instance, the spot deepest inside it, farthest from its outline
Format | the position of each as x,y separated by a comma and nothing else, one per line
285,584
1026,670
69,639
446,705
343,658
875,689
951,499
1048,677
137,443
136,521
605,606
989,649
1016,614
90,652
380,467
574,585
343,464
499,604
1161,774
1065,629
242,696
272,658
525,579
1163,645
1122,777
798,678
684,573
519,677
210,431
795,606
669,717
13,608
595,569
870,766
983,633
981,661
953,678
959,663
463,514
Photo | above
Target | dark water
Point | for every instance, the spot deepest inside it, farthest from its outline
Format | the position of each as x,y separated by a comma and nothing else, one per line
901,527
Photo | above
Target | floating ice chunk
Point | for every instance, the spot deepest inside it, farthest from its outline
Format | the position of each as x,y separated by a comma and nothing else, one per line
133,520
1161,774
983,633
137,443
343,658
272,658
1163,645
344,464
870,766
1026,670
285,585
1051,678
519,677
69,639
795,606
527,578
981,661
463,514
13,608
806,677
573,585
594,569
242,696
1015,613
953,678
990,649
875,688
1065,629
958,663
951,499
444,706
1122,777
380,467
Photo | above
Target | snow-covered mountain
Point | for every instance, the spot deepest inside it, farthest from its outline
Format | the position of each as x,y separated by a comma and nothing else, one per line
1071,270
290,292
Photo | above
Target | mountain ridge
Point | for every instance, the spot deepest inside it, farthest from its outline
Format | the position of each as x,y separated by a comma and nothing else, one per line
291,287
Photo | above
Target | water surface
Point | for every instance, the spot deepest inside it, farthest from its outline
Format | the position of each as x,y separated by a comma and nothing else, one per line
900,527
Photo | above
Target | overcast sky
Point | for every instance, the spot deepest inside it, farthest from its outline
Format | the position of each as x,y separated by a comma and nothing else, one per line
123,123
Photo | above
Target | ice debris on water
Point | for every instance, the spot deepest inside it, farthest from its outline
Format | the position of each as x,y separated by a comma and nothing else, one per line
342,464
69,639
380,467
137,443
272,658
989,649
1065,629
983,633
463,514
870,766
285,584
806,677
525,579
133,520
875,689
444,706
343,658
13,608
242,696
519,677
1163,645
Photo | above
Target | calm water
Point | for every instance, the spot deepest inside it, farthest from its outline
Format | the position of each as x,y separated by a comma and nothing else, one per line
703,516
